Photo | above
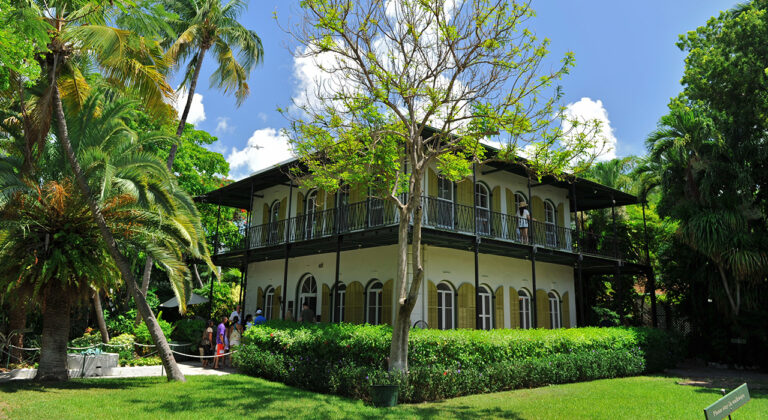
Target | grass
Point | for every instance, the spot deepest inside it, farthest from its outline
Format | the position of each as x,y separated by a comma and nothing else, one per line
239,396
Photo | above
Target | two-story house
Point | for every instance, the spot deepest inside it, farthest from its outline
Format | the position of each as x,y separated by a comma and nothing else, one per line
483,269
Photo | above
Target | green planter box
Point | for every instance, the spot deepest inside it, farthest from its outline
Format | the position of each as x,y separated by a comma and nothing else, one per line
384,395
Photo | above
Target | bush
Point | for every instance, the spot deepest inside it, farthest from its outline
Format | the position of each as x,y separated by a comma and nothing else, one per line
346,359
225,298
188,331
123,345
142,332
88,339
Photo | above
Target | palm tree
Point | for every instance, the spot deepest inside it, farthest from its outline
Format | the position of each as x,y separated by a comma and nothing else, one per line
53,240
79,29
210,25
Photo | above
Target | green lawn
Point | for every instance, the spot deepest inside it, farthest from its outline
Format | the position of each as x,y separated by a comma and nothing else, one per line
238,396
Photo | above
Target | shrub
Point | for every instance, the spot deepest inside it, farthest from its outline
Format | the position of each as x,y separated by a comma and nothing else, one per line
123,345
188,331
142,332
87,340
346,359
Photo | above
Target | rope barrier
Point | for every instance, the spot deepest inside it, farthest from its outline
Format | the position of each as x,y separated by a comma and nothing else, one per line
202,357
24,348
103,344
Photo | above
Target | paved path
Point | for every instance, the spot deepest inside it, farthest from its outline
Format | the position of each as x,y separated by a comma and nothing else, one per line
718,378
187,368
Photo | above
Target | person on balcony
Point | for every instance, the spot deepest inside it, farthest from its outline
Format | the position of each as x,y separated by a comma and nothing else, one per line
524,218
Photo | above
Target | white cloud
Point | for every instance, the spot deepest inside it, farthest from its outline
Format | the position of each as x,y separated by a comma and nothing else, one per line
587,109
262,116
265,148
196,111
223,127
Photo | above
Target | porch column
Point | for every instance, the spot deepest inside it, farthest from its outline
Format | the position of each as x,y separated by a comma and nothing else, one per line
478,324
578,295
651,278
532,241
284,296
215,251
335,288
244,280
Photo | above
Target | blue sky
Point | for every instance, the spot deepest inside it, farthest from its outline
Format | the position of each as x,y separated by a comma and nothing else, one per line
627,69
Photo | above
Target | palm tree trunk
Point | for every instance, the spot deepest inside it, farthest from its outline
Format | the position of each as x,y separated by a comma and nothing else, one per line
17,321
185,113
100,316
53,353
164,351
145,283
197,276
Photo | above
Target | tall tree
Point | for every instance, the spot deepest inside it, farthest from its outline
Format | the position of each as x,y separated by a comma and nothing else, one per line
79,29
205,25
392,70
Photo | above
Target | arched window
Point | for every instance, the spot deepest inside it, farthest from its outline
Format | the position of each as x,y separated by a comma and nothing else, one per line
269,298
274,216
483,200
308,293
374,301
525,308
339,301
445,306
550,223
310,209
486,306
555,315
444,203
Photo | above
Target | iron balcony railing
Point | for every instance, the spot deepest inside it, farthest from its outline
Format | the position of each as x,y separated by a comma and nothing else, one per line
437,214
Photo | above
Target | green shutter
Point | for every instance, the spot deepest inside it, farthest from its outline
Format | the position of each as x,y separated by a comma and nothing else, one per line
496,208
432,184
537,209
276,300
299,203
499,307
514,308
354,310
511,224
432,304
259,298
325,314
386,302
566,310
466,306
265,216
283,208
542,309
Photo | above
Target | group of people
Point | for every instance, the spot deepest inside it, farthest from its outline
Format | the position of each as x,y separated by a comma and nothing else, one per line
226,336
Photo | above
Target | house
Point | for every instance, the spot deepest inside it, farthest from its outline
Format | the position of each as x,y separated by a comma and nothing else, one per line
338,252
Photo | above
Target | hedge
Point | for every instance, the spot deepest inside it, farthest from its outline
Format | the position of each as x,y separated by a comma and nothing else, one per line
346,359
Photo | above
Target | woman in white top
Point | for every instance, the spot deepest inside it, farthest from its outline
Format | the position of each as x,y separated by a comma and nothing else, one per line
523,220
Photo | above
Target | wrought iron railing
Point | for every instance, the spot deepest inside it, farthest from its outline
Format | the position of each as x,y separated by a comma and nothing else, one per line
437,214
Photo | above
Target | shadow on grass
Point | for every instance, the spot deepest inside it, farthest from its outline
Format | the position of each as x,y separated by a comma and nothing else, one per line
78,384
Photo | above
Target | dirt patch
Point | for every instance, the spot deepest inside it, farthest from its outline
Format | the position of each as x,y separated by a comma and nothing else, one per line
720,378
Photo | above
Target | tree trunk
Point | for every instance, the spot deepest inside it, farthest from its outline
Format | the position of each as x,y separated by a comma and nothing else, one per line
17,321
100,316
185,113
164,351
145,283
197,276
53,353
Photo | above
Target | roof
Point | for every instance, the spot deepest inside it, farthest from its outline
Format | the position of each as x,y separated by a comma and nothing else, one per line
590,195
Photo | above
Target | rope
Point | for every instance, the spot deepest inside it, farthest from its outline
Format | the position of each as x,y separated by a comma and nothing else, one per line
103,344
203,357
24,348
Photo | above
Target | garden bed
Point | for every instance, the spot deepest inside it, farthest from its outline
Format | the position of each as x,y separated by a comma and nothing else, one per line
347,359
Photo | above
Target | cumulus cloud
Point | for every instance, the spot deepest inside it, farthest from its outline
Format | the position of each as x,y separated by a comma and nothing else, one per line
587,109
223,126
265,148
196,111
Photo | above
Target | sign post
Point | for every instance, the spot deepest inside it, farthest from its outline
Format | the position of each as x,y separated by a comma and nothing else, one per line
723,407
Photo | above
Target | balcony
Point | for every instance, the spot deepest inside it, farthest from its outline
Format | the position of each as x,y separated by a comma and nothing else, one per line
438,215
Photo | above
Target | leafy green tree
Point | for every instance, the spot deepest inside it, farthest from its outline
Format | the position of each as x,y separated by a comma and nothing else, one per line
22,37
204,25
80,29
54,245
392,70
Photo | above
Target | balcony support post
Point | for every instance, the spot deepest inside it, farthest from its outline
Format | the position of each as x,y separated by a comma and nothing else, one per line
244,279
284,296
216,235
335,291
478,323
579,295
650,278
532,242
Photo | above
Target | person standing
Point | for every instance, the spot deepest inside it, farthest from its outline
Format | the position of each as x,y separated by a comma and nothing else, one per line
307,314
221,335
206,344
235,314
236,333
259,318
523,220
248,321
